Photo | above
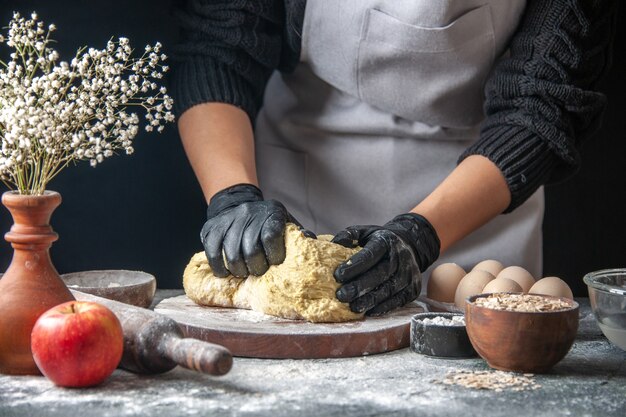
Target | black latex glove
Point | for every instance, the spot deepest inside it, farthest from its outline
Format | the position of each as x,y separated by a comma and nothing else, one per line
386,273
246,229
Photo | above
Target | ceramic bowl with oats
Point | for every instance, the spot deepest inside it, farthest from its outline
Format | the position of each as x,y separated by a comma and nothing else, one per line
521,332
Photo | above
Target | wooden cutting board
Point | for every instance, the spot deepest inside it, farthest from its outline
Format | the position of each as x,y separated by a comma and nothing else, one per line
251,334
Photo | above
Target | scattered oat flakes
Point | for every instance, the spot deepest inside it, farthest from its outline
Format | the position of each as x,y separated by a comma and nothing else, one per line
491,380
522,302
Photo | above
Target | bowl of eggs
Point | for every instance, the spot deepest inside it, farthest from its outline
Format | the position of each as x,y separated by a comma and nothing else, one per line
521,332
607,295
449,285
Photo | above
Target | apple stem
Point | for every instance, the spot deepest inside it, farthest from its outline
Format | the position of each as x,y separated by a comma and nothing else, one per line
73,308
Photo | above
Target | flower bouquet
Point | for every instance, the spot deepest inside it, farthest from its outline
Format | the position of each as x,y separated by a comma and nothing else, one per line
53,113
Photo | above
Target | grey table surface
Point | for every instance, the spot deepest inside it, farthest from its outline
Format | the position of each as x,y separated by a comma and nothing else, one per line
589,381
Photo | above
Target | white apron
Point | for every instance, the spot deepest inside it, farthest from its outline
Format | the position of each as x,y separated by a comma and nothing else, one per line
386,97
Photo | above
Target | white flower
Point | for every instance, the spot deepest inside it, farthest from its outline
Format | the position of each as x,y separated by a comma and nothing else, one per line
55,112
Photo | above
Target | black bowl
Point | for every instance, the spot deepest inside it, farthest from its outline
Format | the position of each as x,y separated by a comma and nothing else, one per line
444,341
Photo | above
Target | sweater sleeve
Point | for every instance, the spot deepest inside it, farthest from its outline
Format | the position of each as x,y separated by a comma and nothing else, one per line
227,52
541,102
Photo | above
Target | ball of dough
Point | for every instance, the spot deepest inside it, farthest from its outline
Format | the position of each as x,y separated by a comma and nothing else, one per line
302,287
519,275
471,284
552,286
502,285
490,265
443,282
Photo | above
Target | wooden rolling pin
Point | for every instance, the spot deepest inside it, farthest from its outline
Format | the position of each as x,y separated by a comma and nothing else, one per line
154,343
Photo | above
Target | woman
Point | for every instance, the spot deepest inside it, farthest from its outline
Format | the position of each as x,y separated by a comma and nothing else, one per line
371,112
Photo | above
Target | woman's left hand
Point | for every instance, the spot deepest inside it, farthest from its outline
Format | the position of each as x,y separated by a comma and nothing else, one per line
386,273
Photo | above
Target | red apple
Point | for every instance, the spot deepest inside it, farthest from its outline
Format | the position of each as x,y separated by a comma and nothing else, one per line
77,344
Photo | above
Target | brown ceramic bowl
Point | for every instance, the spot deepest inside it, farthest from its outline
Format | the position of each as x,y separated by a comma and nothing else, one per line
130,287
521,341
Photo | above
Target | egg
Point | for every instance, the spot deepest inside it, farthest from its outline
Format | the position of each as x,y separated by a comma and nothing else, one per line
502,285
471,284
490,265
443,282
519,275
552,286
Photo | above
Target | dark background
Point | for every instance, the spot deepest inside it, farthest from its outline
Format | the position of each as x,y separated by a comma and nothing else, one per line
144,211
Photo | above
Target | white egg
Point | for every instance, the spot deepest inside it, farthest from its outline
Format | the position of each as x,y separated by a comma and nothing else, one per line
502,285
443,281
519,275
471,284
490,265
552,286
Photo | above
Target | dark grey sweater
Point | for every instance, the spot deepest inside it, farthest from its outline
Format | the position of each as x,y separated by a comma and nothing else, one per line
540,101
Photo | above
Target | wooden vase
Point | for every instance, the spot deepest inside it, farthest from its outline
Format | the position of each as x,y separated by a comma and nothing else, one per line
31,284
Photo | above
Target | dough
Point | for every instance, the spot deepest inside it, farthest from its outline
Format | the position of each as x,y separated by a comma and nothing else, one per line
302,287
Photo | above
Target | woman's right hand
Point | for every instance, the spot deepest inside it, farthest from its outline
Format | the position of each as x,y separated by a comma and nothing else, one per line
246,231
